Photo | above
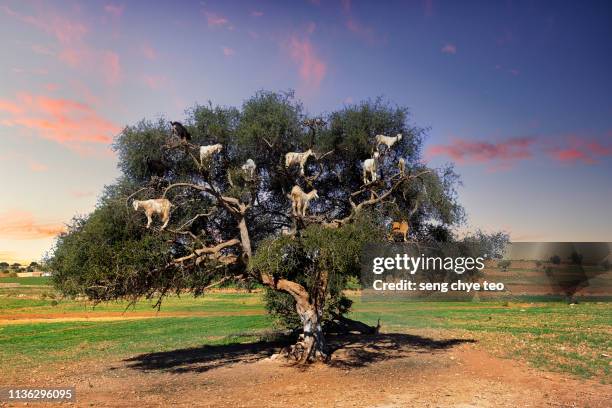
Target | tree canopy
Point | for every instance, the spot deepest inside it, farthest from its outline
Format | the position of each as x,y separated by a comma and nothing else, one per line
226,225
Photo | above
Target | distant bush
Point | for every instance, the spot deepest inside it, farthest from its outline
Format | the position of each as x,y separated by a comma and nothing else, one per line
352,283
504,264
12,274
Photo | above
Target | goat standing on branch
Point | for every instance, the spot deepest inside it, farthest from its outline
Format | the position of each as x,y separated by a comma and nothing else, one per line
293,158
401,227
370,167
178,130
388,141
300,200
249,169
206,152
159,206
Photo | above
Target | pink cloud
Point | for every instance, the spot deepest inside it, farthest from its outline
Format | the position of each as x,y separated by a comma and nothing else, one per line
449,49
514,72
22,225
74,51
70,123
215,20
356,27
500,155
115,10
154,81
312,68
228,52
580,149
257,13
111,68
149,52
51,87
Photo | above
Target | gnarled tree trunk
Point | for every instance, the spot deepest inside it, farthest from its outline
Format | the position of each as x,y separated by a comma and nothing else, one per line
311,345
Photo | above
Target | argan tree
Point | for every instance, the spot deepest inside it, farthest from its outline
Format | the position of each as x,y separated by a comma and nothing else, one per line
229,225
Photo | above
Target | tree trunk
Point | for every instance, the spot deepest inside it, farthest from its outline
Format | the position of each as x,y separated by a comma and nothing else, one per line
311,345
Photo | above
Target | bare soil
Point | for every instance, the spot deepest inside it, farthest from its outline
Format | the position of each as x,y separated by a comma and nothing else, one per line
431,369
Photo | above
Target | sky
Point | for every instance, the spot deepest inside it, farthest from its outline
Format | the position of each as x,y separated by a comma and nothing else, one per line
518,94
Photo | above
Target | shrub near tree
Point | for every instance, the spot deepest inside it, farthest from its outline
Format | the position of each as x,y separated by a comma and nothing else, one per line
228,225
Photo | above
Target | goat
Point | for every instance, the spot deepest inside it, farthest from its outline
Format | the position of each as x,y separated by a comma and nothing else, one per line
179,131
292,158
401,228
401,164
159,206
300,200
249,168
388,141
206,152
370,167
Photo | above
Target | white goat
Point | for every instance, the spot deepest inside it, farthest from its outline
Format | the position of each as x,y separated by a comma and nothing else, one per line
249,168
388,141
300,200
369,167
292,158
159,206
401,164
207,152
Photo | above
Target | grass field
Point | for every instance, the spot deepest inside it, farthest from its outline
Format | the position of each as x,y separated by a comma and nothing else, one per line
548,335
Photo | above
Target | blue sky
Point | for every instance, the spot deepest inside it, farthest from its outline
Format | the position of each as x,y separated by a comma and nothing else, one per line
516,93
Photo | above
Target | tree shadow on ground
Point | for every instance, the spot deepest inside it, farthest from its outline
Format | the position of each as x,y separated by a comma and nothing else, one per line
348,351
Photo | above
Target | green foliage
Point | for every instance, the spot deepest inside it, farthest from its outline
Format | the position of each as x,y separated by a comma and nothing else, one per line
318,249
109,254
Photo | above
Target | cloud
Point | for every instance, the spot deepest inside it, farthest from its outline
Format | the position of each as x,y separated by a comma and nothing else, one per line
73,51
215,20
115,10
22,225
580,149
312,68
449,48
499,155
70,123
154,81
355,26
228,52
149,52
257,13
112,67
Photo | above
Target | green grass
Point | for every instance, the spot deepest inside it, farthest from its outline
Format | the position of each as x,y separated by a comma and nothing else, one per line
28,281
549,335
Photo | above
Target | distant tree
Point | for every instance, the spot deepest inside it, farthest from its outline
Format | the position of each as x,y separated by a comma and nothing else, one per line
504,264
4,266
15,265
555,260
34,264
226,226
575,258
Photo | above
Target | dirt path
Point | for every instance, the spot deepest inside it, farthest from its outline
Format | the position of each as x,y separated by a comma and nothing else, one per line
390,370
22,318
